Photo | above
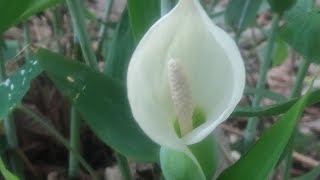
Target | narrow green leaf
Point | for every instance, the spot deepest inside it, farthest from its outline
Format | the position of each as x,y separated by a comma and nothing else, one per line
6,173
121,50
311,175
13,89
254,165
102,103
15,11
241,14
301,32
177,165
281,6
143,13
275,109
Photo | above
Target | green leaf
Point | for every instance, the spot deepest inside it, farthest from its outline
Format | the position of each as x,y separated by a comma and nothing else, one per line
102,103
176,165
121,50
15,11
311,175
301,7
143,13
241,14
13,89
281,6
280,53
260,160
6,173
275,109
301,33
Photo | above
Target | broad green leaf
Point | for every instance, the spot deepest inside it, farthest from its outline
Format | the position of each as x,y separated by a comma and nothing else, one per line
13,89
177,165
280,53
302,33
121,50
6,173
241,14
102,103
143,13
260,160
301,6
14,11
281,6
311,175
275,109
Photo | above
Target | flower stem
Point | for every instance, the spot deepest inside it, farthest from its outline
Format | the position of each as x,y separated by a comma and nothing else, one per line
56,21
59,137
26,36
124,167
76,11
252,122
104,26
74,142
80,37
296,90
9,125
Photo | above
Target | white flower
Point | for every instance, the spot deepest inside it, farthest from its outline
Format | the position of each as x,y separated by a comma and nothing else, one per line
184,62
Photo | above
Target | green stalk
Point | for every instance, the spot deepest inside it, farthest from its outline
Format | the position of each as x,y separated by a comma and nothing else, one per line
75,124
26,37
77,17
124,167
56,22
74,143
296,90
104,26
10,127
80,37
87,50
59,137
253,122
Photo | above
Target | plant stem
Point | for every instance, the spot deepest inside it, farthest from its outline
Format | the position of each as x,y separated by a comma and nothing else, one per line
56,21
59,137
80,37
104,26
124,167
253,122
77,16
303,70
26,36
74,142
9,125
296,90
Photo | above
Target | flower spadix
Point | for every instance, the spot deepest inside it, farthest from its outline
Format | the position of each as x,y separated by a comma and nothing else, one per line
183,64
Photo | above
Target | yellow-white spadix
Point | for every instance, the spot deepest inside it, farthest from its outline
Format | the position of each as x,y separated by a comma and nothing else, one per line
183,63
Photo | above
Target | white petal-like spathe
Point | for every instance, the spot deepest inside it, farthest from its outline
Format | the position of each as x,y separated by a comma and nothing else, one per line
211,61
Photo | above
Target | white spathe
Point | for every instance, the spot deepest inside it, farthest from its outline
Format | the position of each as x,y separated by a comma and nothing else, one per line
212,65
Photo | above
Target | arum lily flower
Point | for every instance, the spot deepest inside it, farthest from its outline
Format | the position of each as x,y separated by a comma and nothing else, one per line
184,63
